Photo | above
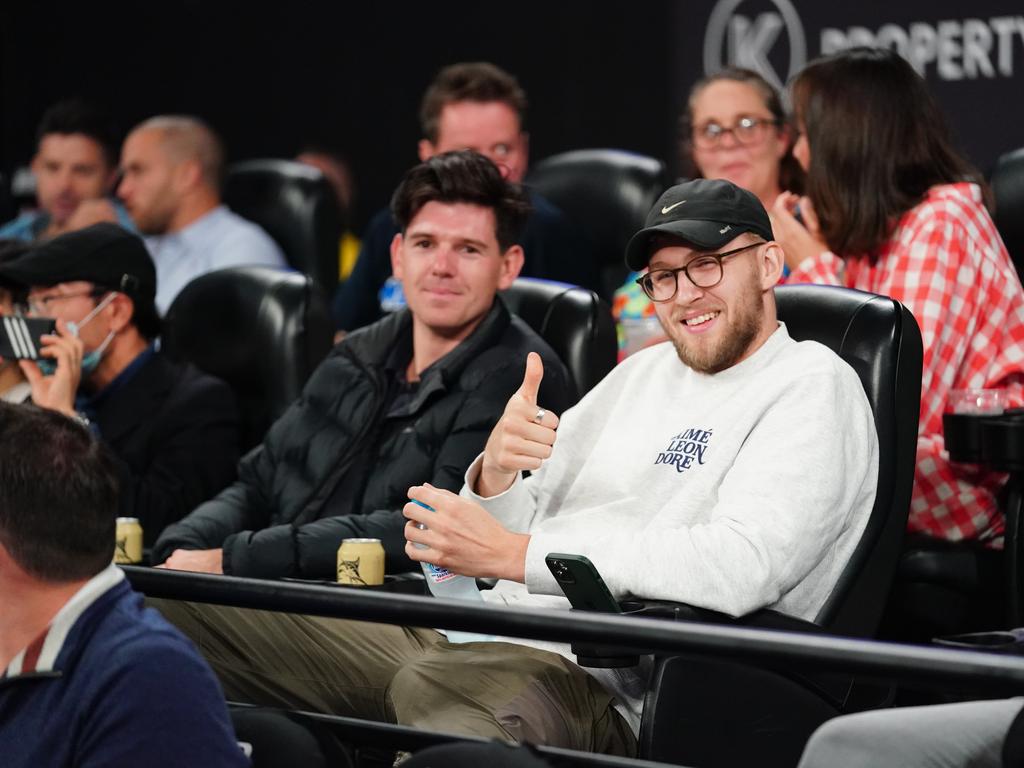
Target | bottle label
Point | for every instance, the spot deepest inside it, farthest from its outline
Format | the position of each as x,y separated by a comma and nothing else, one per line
392,297
438,574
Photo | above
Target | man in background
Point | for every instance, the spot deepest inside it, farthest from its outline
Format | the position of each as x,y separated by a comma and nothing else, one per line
173,429
173,168
481,107
87,675
75,167
338,171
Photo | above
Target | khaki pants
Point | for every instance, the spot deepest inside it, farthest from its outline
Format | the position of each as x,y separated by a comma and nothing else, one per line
403,675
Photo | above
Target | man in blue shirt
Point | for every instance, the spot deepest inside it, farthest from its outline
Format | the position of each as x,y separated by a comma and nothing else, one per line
75,168
173,167
88,677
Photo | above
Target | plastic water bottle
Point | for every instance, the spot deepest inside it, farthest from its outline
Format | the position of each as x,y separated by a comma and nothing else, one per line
392,296
452,586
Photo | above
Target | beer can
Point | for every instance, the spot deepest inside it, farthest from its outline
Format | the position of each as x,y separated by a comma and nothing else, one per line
128,541
361,562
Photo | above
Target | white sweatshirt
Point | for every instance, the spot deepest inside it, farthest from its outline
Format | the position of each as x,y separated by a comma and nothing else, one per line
734,491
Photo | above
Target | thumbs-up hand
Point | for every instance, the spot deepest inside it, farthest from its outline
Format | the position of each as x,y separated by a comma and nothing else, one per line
522,438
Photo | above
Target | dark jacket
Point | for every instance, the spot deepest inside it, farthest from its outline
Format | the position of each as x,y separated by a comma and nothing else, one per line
336,466
174,433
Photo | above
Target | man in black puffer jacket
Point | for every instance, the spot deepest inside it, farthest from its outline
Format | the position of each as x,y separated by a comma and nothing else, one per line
408,400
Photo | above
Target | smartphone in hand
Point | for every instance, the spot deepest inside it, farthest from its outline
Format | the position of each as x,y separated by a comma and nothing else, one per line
19,336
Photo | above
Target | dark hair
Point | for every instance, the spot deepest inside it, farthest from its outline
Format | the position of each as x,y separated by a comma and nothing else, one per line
145,317
58,495
338,155
791,175
463,177
470,81
877,142
78,116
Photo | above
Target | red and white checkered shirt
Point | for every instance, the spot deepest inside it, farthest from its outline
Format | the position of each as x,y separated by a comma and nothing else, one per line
947,264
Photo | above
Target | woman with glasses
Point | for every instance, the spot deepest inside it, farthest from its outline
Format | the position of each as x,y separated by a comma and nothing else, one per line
734,128
892,208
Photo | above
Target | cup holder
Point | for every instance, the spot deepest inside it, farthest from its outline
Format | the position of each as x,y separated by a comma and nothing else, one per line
996,440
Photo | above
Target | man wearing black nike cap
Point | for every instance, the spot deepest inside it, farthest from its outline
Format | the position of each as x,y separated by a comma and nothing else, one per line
173,428
734,469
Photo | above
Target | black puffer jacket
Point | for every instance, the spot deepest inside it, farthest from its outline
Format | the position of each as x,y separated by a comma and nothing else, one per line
275,521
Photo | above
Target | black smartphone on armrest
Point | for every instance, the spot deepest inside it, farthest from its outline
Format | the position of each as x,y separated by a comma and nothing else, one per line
19,336
581,583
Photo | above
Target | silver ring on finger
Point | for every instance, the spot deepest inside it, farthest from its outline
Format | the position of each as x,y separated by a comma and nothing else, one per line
539,417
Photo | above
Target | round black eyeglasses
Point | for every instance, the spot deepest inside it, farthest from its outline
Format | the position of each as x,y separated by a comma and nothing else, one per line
704,272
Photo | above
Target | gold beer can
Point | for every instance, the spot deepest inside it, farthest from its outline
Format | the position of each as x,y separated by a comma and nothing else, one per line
128,541
361,562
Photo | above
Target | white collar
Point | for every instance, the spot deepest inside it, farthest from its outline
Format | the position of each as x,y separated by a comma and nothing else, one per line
41,654
18,393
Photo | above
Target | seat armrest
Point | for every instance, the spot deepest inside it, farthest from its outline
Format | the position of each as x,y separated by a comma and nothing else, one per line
605,657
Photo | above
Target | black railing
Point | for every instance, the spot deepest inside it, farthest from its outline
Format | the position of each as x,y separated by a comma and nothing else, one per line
387,736
953,669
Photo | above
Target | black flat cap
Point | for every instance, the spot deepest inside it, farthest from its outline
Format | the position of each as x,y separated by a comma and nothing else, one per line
104,254
706,213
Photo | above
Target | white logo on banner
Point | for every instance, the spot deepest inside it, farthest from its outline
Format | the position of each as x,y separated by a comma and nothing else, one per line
747,42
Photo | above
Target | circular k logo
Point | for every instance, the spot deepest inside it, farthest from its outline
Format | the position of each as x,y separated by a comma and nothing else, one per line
753,41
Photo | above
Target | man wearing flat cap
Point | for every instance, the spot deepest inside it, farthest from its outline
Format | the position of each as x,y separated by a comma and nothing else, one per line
731,468
173,429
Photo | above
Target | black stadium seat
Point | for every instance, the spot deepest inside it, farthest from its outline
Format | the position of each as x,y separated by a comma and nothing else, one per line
574,321
261,330
607,194
722,713
275,740
1008,189
297,207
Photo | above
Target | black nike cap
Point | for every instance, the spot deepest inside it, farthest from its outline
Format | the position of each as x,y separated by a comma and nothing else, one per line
705,213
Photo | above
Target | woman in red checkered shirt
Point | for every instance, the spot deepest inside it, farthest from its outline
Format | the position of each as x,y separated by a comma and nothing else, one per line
891,208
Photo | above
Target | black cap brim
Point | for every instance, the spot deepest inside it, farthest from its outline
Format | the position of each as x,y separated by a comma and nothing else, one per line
103,254
25,274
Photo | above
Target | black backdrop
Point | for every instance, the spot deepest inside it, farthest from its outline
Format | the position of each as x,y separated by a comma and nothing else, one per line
350,75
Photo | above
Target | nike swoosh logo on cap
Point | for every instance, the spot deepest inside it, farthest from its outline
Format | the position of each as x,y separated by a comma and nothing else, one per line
667,208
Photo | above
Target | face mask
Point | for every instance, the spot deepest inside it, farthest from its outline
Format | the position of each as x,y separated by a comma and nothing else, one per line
90,360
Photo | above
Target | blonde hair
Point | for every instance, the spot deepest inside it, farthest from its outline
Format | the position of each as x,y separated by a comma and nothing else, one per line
188,138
